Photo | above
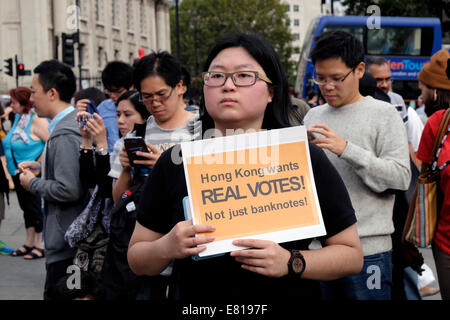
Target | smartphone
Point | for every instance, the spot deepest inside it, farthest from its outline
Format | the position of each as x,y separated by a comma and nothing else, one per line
82,120
91,107
133,145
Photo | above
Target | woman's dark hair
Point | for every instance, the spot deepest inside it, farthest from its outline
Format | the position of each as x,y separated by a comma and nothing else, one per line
338,44
59,76
161,64
133,97
116,75
91,93
22,95
276,113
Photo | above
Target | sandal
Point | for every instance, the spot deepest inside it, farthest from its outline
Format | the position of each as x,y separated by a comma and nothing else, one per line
34,255
19,252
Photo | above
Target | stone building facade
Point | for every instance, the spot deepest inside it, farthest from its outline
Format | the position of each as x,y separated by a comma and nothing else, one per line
109,30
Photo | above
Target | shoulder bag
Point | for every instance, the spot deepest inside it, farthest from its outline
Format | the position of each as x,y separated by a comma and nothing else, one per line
427,198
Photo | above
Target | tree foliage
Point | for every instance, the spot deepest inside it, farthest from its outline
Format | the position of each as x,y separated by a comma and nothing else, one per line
203,22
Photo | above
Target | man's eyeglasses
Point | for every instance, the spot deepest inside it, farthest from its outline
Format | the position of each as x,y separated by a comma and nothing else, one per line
335,82
152,98
239,78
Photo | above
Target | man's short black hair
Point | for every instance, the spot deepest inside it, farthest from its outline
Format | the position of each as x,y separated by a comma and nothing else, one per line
338,44
376,60
93,94
116,75
186,77
57,75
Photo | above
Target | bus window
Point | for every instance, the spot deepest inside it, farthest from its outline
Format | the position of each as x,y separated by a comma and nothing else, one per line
395,41
357,31
408,89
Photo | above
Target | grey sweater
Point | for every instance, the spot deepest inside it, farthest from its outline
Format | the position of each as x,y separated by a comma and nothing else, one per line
376,159
63,194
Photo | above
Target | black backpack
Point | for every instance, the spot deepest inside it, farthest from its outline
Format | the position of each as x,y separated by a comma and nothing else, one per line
118,279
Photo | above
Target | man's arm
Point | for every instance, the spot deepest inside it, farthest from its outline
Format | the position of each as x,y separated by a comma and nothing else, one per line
388,168
65,185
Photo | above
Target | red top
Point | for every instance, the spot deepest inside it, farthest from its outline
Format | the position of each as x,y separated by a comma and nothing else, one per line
442,235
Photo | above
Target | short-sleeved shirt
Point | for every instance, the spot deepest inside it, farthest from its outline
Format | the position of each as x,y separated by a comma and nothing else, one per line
222,277
108,111
161,138
442,235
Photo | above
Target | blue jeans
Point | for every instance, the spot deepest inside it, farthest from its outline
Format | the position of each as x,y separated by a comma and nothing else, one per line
374,282
410,280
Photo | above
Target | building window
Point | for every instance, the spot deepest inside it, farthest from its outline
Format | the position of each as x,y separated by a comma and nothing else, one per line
296,36
99,10
129,10
296,8
116,55
99,57
142,12
296,22
288,8
114,13
84,9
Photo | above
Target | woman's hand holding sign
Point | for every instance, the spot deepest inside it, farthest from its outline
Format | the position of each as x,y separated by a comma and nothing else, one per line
183,242
265,257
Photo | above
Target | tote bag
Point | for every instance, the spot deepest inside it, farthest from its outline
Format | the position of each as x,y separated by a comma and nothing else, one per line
426,201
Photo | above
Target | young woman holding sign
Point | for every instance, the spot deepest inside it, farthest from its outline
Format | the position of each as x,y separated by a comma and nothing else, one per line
245,87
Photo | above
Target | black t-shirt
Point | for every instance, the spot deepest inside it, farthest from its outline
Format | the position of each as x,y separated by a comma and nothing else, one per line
222,278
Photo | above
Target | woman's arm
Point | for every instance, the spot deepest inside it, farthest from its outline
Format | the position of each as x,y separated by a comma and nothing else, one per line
39,128
124,181
8,176
150,252
341,256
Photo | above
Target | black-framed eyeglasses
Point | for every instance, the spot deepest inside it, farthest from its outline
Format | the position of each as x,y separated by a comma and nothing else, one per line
239,78
334,83
152,98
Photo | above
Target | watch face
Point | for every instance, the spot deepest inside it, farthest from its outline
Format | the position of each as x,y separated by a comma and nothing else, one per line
297,265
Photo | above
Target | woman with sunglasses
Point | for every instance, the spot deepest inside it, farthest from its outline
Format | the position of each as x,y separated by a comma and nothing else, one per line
245,87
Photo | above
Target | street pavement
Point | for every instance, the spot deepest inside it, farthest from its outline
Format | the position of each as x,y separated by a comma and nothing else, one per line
19,279
24,280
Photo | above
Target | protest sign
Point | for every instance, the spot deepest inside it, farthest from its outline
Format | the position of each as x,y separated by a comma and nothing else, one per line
256,185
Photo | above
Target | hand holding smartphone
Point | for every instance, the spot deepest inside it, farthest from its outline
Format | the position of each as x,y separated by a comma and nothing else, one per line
133,145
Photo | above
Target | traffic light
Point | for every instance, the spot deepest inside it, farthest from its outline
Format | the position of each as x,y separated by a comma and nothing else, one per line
20,69
68,51
9,67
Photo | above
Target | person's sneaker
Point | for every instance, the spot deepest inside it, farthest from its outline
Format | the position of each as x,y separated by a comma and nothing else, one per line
429,291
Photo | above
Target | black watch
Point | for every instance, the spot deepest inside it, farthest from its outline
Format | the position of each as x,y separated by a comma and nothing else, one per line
296,264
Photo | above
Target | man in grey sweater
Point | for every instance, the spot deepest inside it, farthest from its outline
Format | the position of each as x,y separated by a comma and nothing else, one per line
52,88
366,141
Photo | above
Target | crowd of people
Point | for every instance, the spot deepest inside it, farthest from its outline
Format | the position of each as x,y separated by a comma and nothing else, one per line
118,216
